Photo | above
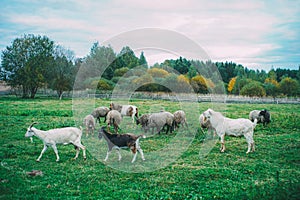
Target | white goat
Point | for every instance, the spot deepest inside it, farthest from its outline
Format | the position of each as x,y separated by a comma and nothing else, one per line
89,123
234,127
68,135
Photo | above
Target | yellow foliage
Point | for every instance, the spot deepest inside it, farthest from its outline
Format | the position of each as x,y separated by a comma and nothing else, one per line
182,79
231,84
143,80
272,81
156,72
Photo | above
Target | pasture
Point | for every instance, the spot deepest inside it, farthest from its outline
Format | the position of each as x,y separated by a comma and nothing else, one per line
271,172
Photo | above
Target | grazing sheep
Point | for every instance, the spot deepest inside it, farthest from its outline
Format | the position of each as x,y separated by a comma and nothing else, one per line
89,123
206,124
68,135
114,117
125,110
234,127
179,118
159,120
118,141
266,116
262,116
100,112
143,120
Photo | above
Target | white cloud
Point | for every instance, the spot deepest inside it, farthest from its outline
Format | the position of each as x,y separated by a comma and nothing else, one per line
233,30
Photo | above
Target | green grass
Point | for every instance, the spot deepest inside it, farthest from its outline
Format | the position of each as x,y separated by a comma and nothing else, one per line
272,172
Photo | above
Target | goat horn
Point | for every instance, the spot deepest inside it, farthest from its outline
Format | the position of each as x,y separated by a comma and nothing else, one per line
32,124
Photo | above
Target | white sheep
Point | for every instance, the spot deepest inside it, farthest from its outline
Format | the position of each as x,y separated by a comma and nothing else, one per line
159,120
125,110
234,127
68,135
100,112
89,123
179,118
114,118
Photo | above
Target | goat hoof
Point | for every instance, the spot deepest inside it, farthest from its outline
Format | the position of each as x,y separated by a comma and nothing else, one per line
37,160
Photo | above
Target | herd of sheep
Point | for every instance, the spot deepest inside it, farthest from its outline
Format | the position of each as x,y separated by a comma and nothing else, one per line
214,121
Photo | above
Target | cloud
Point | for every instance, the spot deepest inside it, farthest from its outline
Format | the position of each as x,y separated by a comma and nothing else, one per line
255,33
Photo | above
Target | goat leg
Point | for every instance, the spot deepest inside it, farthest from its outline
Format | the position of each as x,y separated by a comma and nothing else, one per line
42,152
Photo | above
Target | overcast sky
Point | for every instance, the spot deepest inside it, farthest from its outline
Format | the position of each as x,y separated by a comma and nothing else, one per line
256,34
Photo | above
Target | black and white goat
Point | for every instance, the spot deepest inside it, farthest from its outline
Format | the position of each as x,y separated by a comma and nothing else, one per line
262,116
119,141
68,135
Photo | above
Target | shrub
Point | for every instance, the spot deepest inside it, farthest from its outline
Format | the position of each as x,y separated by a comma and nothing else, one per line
253,88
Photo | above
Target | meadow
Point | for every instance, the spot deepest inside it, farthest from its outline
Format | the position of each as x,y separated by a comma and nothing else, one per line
271,172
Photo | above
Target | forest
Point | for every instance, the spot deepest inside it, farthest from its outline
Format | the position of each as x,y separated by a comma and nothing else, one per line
34,62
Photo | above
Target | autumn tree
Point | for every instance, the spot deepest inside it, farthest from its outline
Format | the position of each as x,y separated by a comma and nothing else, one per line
231,84
199,84
157,72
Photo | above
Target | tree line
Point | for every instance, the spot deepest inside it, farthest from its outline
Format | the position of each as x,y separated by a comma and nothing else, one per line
32,62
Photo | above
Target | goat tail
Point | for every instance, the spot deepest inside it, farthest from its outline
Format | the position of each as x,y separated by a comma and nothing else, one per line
142,136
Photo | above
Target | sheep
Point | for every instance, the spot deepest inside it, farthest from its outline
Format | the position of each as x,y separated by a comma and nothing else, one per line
100,112
234,127
125,110
179,118
67,135
159,120
114,117
89,123
143,120
262,116
207,125
118,141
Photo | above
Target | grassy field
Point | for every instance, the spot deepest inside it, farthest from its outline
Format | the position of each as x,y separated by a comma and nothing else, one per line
187,170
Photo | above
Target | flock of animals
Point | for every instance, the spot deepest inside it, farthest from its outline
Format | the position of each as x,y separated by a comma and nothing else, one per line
214,121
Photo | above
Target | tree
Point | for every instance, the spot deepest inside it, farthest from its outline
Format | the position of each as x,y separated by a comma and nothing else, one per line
121,71
127,58
156,72
24,63
289,86
61,74
231,84
271,86
253,88
143,61
199,84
